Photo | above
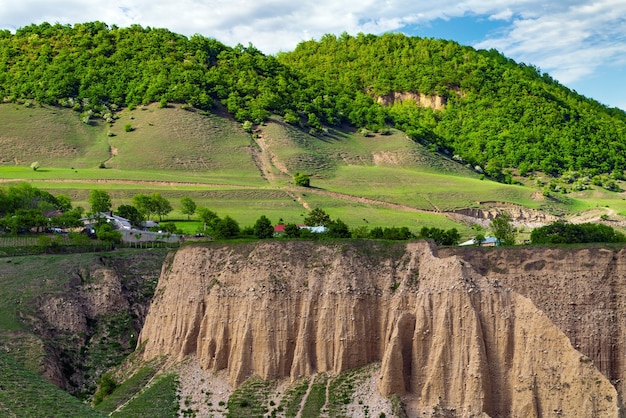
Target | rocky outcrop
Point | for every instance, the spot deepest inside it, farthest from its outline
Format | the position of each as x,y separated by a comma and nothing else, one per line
520,215
581,290
434,102
451,341
87,313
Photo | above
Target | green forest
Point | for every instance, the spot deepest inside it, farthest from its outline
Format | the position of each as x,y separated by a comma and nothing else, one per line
498,116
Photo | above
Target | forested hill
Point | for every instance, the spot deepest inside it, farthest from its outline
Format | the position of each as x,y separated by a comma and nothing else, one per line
492,112
498,113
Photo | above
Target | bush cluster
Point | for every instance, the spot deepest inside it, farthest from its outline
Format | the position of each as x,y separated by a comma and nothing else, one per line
566,233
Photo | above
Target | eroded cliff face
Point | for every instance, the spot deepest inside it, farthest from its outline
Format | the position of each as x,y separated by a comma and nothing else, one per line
449,340
581,290
82,312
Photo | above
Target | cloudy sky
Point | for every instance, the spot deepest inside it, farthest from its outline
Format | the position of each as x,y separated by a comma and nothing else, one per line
581,43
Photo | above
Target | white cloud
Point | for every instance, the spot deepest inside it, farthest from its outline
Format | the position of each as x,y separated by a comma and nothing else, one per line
505,14
570,43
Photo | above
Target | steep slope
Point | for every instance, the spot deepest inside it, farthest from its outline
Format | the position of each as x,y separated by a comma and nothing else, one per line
25,394
450,340
71,317
581,289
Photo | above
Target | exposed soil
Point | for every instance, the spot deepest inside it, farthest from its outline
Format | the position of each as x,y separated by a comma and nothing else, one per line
450,341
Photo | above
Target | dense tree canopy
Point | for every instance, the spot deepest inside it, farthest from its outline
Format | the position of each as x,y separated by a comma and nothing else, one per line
566,233
23,207
497,113
494,113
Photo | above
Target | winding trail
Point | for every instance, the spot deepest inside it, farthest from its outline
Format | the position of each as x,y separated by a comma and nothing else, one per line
323,413
364,200
298,199
306,396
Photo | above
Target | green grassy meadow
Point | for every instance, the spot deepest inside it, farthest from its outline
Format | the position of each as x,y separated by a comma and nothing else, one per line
378,180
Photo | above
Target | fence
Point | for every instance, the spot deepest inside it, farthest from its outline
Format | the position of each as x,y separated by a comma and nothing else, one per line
61,244
12,250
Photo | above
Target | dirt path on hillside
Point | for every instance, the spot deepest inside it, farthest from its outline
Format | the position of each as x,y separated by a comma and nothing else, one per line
426,198
260,160
364,200
137,182
305,396
298,199
266,160
113,152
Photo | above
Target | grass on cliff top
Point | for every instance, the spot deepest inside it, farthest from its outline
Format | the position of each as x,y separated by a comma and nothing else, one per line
24,278
26,394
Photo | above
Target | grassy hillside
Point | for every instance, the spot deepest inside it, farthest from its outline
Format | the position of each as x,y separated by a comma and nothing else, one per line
23,393
163,112
194,143
478,105
53,136
374,180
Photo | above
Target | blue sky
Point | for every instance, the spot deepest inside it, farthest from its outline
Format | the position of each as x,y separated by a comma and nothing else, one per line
580,43
466,30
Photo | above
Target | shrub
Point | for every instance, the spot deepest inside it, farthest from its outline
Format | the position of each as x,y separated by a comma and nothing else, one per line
128,128
105,232
263,228
361,232
441,237
364,132
338,229
226,228
247,126
106,386
291,118
292,231
302,180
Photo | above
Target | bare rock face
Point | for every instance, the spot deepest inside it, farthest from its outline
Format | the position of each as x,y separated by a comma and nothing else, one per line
581,290
451,342
422,100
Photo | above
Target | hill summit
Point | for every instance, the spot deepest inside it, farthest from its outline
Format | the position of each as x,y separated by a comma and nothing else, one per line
479,106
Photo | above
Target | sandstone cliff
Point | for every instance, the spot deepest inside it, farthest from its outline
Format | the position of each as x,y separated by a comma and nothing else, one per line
581,290
451,341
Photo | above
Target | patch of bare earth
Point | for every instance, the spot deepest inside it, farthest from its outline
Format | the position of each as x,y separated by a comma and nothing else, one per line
203,392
